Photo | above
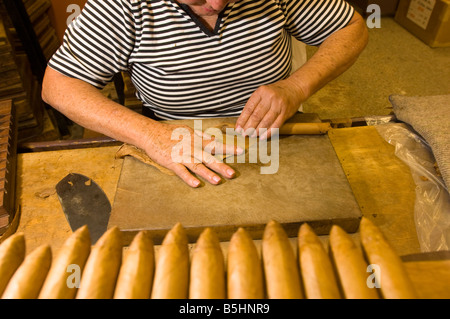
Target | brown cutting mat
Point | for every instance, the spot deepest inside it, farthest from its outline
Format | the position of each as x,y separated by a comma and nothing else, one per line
310,186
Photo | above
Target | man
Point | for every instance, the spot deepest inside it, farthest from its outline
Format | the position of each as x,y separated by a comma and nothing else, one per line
198,59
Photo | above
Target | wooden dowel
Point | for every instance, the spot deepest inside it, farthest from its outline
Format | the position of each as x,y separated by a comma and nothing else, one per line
350,266
305,128
136,273
293,128
172,266
315,267
280,266
29,277
207,279
393,279
12,254
102,267
74,252
244,270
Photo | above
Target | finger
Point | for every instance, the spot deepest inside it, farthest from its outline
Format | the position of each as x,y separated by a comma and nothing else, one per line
225,149
276,125
255,119
201,170
249,107
219,147
182,172
267,122
218,166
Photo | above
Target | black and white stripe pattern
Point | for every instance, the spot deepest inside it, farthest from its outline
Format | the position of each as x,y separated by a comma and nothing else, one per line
180,68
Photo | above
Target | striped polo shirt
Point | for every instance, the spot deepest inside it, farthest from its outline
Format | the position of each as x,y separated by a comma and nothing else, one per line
180,68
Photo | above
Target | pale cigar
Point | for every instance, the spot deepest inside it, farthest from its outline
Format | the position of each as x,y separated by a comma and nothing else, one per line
172,266
305,128
293,128
74,252
280,265
102,267
394,281
350,265
29,277
207,279
12,254
315,267
136,273
245,277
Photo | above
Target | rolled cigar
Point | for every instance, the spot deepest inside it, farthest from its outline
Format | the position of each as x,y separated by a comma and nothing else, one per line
280,265
136,273
245,277
315,267
172,266
29,277
394,281
207,279
350,265
12,254
305,128
102,267
293,128
75,251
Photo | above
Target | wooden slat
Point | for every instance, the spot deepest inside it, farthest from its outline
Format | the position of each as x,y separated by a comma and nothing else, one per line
8,152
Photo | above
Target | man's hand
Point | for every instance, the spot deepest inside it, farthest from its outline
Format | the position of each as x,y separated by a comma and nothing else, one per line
269,107
185,152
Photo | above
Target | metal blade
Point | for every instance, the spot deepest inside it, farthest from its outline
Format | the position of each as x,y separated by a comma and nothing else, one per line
84,203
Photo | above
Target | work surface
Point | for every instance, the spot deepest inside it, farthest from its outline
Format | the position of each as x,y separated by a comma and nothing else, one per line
381,183
291,179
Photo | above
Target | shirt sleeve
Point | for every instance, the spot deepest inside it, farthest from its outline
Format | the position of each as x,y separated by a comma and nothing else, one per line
312,21
97,44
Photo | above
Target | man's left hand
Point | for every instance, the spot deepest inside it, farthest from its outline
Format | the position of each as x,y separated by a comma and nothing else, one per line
268,108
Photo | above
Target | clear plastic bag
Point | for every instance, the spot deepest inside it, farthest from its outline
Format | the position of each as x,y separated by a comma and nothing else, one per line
432,205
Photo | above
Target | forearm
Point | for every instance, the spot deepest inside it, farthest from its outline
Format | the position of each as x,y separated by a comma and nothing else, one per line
88,107
334,56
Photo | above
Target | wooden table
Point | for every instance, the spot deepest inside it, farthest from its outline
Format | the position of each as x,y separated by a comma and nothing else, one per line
382,185
385,198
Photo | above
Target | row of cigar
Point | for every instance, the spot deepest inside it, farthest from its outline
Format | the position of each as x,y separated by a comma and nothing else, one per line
176,272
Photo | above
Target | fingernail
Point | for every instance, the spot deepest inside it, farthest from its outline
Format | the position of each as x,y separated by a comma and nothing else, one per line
264,136
195,183
230,172
254,134
198,133
250,131
238,129
216,179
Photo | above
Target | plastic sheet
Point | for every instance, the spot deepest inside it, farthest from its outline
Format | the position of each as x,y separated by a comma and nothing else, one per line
432,205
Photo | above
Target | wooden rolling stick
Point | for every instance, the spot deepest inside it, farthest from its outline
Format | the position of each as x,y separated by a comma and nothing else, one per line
29,277
136,273
245,277
293,128
280,266
102,267
394,281
350,266
304,128
74,252
207,279
172,266
315,266
12,254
